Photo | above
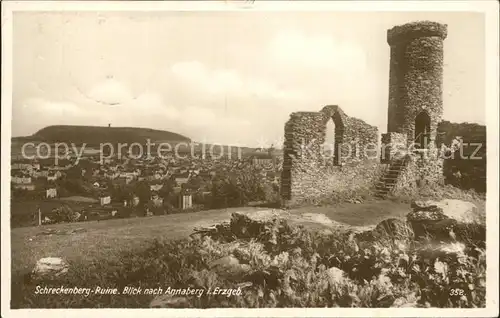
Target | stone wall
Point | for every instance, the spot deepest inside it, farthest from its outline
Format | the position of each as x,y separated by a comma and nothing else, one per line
407,179
335,183
429,169
392,145
466,170
307,172
302,129
358,140
473,137
421,170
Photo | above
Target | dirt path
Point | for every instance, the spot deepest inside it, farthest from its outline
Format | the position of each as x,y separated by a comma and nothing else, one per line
108,239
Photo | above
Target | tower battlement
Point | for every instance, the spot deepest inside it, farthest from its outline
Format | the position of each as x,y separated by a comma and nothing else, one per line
413,30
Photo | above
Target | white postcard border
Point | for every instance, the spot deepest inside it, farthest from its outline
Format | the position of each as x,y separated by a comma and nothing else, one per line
489,8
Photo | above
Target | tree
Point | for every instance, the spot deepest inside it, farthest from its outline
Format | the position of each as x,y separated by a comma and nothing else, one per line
237,189
71,187
143,191
167,190
121,193
74,172
194,183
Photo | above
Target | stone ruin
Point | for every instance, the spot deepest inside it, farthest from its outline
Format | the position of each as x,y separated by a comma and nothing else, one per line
306,170
407,155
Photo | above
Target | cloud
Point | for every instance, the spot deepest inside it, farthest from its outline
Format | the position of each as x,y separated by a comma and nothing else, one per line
110,92
153,104
149,109
210,104
318,51
37,113
51,108
228,105
193,71
228,82
205,117
198,116
207,125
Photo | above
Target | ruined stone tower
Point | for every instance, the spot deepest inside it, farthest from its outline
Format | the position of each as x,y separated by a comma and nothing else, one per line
409,156
415,84
415,105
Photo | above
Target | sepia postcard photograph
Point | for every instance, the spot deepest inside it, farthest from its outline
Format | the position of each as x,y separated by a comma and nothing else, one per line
250,158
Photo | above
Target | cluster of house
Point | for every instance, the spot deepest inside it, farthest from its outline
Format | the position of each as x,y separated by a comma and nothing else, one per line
156,172
25,174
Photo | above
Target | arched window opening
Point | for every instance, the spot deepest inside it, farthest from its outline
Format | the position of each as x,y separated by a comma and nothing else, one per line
333,139
329,145
422,130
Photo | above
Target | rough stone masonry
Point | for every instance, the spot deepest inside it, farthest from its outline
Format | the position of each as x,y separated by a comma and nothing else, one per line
414,112
416,101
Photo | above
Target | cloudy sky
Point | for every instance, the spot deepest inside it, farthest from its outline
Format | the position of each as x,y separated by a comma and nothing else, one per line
224,77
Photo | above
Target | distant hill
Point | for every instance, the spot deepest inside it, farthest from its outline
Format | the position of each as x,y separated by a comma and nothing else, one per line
94,135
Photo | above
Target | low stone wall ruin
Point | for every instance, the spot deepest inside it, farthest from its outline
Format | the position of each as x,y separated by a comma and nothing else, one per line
421,169
310,174
466,170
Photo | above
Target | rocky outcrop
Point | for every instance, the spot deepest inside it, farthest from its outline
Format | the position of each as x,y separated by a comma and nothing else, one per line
49,267
461,211
393,228
440,221
390,229
447,220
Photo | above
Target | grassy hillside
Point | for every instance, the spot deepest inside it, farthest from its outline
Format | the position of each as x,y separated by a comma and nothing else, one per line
107,239
92,135
295,260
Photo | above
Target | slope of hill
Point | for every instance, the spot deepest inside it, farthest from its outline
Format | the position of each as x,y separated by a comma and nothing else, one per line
106,239
99,134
